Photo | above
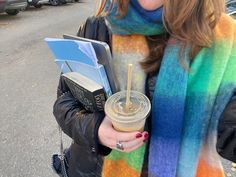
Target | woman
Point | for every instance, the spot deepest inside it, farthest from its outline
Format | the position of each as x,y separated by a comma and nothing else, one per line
190,69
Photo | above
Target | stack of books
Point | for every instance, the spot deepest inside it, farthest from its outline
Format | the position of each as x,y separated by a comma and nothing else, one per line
89,78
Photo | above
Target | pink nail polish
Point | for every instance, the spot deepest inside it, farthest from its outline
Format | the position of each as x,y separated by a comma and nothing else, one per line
139,135
146,136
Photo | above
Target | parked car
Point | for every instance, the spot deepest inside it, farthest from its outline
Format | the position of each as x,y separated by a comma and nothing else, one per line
12,7
61,2
35,3
57,2
231,8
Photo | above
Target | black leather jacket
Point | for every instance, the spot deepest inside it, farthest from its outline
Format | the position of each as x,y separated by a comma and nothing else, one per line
86,154
82,126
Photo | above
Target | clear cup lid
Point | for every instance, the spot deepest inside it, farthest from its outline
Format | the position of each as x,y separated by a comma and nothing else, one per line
138,109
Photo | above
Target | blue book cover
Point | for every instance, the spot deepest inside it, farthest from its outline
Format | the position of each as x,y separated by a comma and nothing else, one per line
78,56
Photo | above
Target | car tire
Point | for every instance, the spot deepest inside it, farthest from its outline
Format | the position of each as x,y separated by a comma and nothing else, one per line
12,12
28,5
63,1
54,2
38,5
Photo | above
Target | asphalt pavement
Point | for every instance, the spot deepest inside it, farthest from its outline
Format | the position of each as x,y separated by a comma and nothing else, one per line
28,81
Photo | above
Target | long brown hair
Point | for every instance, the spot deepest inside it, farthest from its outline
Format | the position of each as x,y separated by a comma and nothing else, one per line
190,21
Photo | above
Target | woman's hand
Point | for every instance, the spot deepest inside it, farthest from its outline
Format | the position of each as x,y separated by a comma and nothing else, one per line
122,141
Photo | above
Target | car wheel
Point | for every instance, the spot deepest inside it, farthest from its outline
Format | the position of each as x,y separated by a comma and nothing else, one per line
28,5
12,12
54,2
63,1
38,5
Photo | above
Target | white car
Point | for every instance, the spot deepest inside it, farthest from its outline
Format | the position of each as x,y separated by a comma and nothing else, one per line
37,3
12,7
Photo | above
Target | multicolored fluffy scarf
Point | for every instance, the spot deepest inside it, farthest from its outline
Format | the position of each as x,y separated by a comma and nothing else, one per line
186,105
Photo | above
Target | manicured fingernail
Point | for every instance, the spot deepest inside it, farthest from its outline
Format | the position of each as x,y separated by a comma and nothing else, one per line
146,136
139,135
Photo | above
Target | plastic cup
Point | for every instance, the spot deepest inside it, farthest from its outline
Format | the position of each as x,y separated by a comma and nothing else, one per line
131,118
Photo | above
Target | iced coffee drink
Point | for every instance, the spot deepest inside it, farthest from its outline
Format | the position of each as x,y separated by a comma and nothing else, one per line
130,117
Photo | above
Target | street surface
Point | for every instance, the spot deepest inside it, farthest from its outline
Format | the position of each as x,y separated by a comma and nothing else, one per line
28,82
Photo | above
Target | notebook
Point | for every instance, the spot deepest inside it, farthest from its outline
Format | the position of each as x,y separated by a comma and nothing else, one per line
104,57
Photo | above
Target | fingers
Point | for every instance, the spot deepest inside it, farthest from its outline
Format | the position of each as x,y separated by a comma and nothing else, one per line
127,136
129,146
129,141
132,148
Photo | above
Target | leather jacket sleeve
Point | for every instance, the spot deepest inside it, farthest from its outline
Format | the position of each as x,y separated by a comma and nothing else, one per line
226,142
79,124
